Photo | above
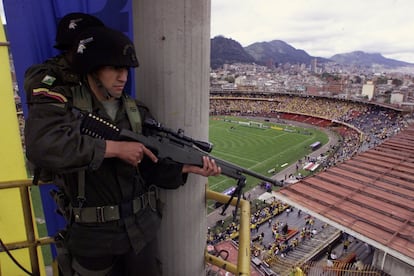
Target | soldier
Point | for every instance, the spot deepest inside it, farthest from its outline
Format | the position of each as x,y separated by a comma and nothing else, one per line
111,185
57,70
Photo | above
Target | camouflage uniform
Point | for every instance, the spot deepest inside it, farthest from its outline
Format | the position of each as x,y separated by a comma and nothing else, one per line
55,71
54,142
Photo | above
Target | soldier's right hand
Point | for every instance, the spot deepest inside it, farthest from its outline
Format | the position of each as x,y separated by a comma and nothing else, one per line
130,152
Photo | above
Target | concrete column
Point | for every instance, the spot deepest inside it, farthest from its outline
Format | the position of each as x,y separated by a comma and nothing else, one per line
172,39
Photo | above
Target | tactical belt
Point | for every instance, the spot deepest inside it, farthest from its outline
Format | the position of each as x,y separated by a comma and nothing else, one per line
115,212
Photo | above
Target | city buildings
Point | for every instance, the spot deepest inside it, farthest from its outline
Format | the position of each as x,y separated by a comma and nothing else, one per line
329,80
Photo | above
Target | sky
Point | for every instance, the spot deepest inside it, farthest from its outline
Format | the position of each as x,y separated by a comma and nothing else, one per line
322,28
2,12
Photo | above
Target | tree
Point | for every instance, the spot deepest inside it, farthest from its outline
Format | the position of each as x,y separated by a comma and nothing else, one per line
230,79
397,82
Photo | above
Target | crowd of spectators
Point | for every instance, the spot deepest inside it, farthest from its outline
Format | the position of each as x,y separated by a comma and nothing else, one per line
330,109
266,218
261,212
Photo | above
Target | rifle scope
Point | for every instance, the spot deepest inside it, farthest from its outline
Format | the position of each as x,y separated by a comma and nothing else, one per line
203,145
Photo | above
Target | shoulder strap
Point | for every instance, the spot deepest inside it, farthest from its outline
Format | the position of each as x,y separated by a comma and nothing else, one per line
81,99
133,114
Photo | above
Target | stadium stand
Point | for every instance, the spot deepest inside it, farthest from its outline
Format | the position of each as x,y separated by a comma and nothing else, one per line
364,173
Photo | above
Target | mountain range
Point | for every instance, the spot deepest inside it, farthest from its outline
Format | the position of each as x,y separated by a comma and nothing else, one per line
226,50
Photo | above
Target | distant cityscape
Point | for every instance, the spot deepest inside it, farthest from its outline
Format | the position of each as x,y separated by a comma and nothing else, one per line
394,87
277,67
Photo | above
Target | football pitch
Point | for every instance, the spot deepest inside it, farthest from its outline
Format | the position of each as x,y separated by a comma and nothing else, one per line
262,147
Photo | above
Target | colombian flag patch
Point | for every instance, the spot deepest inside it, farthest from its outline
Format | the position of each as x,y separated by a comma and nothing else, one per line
50,94
49,80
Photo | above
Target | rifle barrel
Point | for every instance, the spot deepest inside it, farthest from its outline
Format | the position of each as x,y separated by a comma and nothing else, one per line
230,170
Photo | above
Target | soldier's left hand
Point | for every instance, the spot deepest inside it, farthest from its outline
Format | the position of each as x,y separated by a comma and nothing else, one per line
209,168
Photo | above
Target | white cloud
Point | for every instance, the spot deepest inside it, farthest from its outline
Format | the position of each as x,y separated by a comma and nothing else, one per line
2,16
320,27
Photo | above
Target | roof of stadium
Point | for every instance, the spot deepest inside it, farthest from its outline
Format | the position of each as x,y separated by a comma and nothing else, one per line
369,196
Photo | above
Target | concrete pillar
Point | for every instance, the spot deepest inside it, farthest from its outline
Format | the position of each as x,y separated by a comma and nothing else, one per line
172,39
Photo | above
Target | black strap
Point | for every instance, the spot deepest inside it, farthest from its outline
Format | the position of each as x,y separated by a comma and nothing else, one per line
81,187
133,114
36,176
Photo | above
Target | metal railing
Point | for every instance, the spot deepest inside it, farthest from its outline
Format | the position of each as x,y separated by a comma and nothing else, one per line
31,242
340,268
243,257
242,267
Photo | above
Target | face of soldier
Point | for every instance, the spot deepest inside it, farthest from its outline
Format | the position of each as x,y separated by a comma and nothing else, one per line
113,80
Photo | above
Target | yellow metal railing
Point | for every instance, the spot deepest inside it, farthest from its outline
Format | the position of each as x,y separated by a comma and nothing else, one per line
243,258
242,267
31,242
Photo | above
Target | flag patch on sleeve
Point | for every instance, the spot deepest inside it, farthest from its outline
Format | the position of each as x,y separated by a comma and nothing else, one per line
49,80
50,94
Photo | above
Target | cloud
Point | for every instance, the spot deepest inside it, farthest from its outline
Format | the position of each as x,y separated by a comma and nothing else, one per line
2,16
320,27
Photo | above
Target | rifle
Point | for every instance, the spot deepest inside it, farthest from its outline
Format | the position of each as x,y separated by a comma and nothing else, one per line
174,145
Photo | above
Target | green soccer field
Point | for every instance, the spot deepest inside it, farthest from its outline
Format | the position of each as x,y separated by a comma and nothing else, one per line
260,149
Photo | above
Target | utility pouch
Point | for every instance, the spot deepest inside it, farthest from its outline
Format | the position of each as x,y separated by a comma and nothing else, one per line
62,203
148,222
40,174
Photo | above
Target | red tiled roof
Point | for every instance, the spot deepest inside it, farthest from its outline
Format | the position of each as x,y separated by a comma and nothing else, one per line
370,196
